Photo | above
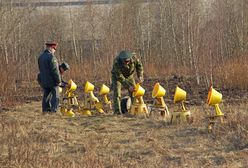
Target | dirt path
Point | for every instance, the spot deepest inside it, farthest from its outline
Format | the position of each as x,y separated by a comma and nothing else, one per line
30,139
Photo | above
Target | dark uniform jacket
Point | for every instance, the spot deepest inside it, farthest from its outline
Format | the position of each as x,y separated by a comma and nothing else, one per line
49,75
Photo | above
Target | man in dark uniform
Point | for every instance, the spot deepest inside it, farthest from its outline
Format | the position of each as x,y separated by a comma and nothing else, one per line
122,72
49,78
62,68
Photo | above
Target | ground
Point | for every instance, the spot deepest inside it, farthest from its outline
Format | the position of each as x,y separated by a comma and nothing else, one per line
30,139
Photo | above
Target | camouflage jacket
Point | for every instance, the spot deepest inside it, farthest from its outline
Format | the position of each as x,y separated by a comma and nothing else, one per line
121,72
49,75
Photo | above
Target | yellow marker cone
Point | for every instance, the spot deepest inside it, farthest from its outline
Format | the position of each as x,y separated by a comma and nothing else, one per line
139,91
214,97
158,91
179,95
138,106
104,90
88,87
71,86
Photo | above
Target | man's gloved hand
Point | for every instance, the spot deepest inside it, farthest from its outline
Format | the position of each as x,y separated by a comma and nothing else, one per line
63,84
140,79
132,89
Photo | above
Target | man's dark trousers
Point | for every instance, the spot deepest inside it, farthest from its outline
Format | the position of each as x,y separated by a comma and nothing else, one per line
50,100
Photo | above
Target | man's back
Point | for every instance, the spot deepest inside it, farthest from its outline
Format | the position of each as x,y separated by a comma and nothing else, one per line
49,73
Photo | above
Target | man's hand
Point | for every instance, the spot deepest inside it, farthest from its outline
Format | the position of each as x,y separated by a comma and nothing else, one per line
63,84
140,79
132,89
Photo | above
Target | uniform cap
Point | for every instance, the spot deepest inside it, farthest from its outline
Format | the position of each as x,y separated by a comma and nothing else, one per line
65,66
52,44
125,55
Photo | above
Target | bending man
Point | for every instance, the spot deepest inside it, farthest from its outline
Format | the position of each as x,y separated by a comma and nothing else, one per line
124,67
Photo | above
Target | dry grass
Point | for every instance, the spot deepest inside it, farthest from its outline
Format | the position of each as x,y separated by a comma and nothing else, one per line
30,139
233,73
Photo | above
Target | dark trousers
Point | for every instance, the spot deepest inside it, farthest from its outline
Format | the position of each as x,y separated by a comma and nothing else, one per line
50,101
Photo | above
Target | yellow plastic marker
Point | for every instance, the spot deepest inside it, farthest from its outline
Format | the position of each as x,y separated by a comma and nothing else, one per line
138,107
214,99
182,114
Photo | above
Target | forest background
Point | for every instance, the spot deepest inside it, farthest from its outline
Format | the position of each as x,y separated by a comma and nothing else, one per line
204,39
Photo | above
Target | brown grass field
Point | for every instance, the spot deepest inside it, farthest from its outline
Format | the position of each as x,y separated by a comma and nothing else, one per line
30,139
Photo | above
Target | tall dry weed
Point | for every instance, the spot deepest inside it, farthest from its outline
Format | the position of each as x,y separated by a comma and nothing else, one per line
233,73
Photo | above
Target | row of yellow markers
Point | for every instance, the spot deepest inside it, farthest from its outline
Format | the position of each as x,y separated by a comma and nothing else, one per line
91,103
